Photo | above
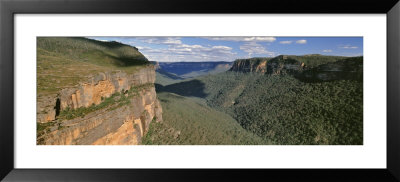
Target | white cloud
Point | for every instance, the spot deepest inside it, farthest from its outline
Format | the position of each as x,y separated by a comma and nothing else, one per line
162,40
303,41
172,49
244,39
326,50
254,48
222,47
189,46
186,52
348,47
286,42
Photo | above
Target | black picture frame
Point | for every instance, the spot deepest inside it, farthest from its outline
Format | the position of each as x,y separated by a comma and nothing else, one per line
9,8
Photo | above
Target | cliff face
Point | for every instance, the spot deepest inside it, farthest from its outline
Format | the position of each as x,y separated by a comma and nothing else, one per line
46,108
258,65
345,68
110,108
277,65
103,86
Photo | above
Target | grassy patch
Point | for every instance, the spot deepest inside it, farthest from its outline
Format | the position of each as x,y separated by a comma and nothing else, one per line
42,128
64,62
148,138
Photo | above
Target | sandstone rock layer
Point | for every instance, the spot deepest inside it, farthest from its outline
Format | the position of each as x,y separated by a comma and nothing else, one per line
117,124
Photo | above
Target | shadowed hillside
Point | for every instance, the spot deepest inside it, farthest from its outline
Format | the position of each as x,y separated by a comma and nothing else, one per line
191,88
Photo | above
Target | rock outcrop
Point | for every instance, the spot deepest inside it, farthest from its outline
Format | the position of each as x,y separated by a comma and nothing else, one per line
46,108
346,68
103,86
278,65
121,122
258,65
156,65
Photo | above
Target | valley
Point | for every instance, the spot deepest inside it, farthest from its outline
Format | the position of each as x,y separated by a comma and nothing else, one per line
183,70
317,103
189,121
92,92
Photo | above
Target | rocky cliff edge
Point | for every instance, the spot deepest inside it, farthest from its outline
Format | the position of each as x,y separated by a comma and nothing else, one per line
109,108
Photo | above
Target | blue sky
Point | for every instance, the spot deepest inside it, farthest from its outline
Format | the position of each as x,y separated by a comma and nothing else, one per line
197,49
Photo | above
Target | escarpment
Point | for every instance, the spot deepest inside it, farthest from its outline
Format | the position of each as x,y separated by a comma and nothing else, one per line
277,65
102,86
258,65
109,108
346,69
308,68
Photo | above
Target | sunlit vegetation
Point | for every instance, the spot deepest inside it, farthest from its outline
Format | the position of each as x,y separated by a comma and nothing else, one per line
65,61
42,128
93,51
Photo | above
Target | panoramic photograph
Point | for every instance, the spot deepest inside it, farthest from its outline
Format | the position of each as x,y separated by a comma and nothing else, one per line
199,90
